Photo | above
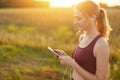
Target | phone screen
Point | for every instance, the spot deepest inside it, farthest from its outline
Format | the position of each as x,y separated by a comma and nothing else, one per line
53,51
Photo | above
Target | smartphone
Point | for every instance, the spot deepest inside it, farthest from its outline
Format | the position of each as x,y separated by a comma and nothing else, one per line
49,48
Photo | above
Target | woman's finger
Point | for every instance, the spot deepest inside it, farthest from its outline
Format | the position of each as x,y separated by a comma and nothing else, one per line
60,52
61,57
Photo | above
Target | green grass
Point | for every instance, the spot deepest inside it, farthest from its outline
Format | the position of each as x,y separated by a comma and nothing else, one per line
23,63
26,33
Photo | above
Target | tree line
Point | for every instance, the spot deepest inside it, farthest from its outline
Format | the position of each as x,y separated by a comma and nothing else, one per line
23,4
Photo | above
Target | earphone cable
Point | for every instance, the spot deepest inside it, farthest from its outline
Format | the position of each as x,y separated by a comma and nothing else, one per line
70,72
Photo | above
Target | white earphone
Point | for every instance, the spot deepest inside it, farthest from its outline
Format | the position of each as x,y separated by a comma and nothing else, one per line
91,19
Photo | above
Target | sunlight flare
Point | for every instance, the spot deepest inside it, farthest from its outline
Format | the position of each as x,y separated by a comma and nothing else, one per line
63,3
70,3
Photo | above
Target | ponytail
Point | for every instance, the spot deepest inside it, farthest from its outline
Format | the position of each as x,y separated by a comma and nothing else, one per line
103,24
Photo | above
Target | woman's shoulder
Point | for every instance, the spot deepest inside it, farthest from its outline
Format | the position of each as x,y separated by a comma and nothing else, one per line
101,46
102,42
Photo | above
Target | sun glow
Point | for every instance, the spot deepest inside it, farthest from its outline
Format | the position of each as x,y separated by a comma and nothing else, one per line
70,3
63,3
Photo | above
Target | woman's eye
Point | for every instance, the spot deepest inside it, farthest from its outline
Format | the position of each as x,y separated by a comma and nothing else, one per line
79,18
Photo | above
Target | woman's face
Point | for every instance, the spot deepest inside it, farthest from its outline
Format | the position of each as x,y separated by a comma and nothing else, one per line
81,21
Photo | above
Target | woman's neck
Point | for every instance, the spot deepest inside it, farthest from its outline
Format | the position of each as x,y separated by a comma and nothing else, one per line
92,32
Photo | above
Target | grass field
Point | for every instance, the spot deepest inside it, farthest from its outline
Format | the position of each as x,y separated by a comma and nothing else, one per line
26,33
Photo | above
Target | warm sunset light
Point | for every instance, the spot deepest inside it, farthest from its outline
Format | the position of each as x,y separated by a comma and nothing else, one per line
70,3
63,3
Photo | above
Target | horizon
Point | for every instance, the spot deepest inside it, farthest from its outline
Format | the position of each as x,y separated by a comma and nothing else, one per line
62,3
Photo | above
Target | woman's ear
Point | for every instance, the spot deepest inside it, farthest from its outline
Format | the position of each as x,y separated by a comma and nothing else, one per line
93,17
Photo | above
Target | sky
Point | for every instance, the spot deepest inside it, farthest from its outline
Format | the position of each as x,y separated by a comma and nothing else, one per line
110,2
69,3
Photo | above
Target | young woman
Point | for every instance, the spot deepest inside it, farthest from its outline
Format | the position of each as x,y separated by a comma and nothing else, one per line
90,58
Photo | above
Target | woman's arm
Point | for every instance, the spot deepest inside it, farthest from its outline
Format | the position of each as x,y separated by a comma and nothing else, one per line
102,58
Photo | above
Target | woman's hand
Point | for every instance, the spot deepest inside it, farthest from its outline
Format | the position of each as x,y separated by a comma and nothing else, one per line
64,58
59,52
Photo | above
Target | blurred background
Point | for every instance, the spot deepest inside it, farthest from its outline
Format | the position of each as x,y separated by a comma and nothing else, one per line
28,27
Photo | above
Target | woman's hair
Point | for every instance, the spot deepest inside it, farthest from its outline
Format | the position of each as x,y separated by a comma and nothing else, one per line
89,8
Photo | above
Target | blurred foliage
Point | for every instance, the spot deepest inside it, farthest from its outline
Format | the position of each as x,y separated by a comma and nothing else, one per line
23,4
62,34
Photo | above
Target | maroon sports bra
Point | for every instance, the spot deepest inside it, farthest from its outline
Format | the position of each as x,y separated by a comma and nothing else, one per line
85,57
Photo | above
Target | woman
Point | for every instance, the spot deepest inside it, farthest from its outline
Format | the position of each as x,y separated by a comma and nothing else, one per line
90,58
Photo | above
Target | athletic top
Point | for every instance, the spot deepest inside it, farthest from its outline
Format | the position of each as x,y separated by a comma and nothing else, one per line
85,56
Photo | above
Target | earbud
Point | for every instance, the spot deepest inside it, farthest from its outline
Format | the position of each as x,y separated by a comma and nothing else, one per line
91,19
